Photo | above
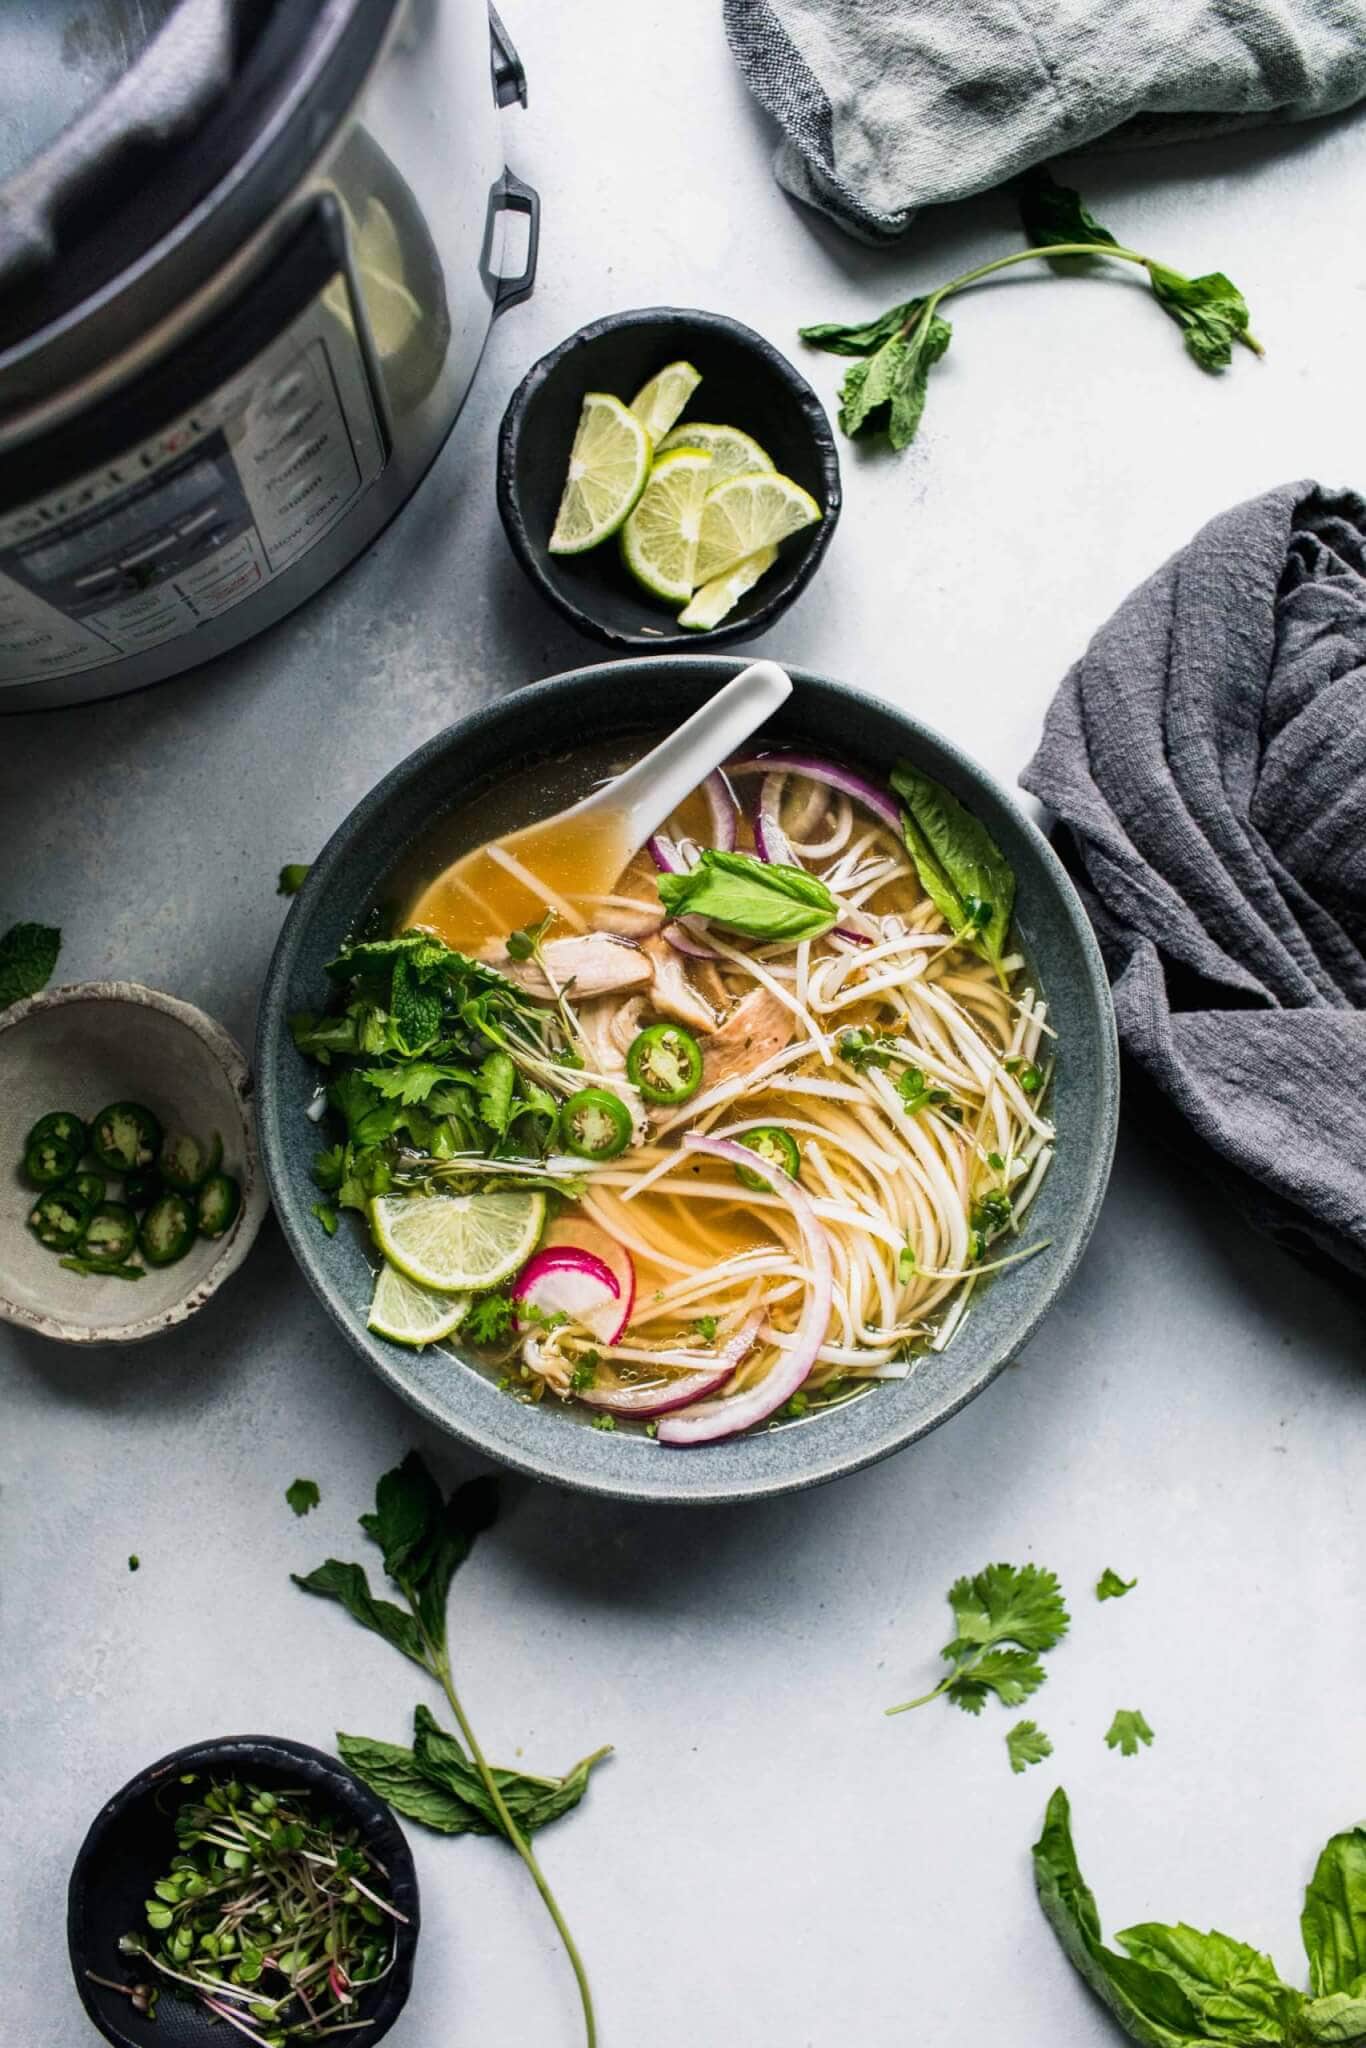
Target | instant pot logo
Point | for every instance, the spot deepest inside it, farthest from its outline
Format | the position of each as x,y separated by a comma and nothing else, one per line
86,493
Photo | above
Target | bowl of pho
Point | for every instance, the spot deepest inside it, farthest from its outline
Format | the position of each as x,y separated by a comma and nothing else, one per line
723,1177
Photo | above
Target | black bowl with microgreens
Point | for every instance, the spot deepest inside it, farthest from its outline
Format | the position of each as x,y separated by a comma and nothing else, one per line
248,1888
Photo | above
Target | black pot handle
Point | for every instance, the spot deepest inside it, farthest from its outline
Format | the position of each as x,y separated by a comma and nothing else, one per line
510,195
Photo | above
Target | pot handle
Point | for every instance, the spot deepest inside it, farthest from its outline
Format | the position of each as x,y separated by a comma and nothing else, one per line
511,195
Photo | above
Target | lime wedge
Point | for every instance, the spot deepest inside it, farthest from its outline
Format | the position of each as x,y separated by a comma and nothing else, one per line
659,540
657,404
732,453
456,1242
410,1314
711,603
747,513
608,465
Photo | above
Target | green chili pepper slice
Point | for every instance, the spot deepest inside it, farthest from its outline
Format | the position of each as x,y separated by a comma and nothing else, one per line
125,1137
185,1164
773,1143
665,1063
596,1124
48,1161
57,1218
87,1185
167,1230
65,1126
141,1189
218,1202
110,1234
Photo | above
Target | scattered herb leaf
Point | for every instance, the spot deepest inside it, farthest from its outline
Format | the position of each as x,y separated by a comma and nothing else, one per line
1110,1586
761,899
1127,1731
1027,1744
28,954
1006,1604
292,877
961,868
302,1495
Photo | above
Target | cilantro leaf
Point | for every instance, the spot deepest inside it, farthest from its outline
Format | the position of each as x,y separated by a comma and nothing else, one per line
490,1319
303,1494
414,1081
1110,1586
1127,1731
28,954
1027,1744
293,877
1004,1616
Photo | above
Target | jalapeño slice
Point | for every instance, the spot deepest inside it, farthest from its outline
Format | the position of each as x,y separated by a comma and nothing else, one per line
665,1063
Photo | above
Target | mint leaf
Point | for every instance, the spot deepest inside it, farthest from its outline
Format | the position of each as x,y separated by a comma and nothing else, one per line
1333,1922
888,389
394,1773
1051,213
1110,1586
1210,311
303,1495
862,338
1127,1731
293,877
761,899
1027,1744
348,1585
28,954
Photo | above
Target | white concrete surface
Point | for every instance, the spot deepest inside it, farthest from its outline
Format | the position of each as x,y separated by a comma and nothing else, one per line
766,1860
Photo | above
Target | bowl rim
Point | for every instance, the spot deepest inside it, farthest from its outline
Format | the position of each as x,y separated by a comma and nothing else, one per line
324,1771
238,1242
818,538
518,708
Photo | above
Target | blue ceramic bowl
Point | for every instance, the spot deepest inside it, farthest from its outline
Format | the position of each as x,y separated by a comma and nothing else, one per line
638,698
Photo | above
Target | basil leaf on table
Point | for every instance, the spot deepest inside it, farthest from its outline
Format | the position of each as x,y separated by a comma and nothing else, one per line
961,868
1333,1923
28,954
761,899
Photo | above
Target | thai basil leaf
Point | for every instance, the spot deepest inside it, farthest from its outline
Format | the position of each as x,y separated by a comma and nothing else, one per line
1333,1922
28,954
761,899
961,868
348,1585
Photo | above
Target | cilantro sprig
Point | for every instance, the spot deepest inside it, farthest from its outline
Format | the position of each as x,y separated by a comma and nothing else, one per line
1005,1617
885,389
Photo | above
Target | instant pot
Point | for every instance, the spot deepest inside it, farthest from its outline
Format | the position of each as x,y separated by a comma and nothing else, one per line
249,254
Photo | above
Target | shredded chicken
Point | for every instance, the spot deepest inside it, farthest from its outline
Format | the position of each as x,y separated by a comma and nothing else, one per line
595,965
673,993
757,1027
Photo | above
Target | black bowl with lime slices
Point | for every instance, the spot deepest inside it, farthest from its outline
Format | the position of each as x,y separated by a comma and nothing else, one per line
745,384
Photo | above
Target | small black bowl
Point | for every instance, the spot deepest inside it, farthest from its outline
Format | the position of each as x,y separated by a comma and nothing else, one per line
745,384
131,1843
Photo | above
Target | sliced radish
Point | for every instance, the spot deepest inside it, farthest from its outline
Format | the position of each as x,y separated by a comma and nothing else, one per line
573,1283
572,1234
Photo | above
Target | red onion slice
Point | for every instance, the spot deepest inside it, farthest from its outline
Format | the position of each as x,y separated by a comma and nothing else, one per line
665,854
724,810
830,772
711,1420
769,837
642,1402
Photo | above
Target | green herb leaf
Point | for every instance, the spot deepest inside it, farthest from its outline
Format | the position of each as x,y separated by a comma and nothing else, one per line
415,1080
28,954
1333,1922
490,1319
1110,1586
1008,1603
395,1774
1149,2003
293,877
496,1080
1011,1674
1052,213
761,899
961,868
1027,1744
303,1495
327,1216
1127,1731
348,1585
862,338
1234,1988
888,389
1340,2018
1210,311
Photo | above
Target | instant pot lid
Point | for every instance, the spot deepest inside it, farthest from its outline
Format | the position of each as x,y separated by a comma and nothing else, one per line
141,142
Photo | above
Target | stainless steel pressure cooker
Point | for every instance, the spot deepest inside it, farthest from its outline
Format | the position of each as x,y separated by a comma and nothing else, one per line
249,253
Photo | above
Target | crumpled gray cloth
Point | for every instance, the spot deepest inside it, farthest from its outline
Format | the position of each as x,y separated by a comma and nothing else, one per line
1207,758
890,105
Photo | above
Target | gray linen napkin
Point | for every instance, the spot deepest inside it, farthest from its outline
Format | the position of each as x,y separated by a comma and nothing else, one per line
1207,757
890,105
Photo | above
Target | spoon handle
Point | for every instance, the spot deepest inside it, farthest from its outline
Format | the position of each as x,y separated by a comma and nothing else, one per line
650,791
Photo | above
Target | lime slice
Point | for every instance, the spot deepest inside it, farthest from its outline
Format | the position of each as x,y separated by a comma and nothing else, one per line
711,603
659,540
410,1314
608,465
732,453
657,404
747,513
454,1242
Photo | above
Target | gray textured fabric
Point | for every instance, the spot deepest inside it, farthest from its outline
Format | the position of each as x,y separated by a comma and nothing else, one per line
1207,756
890,105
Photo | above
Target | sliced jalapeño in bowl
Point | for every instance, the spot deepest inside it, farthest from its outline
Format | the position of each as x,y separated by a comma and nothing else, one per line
596,1124
773,1143
665,1063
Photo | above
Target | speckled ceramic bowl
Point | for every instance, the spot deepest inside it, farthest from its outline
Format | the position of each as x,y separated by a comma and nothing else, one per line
81,1048
642,697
